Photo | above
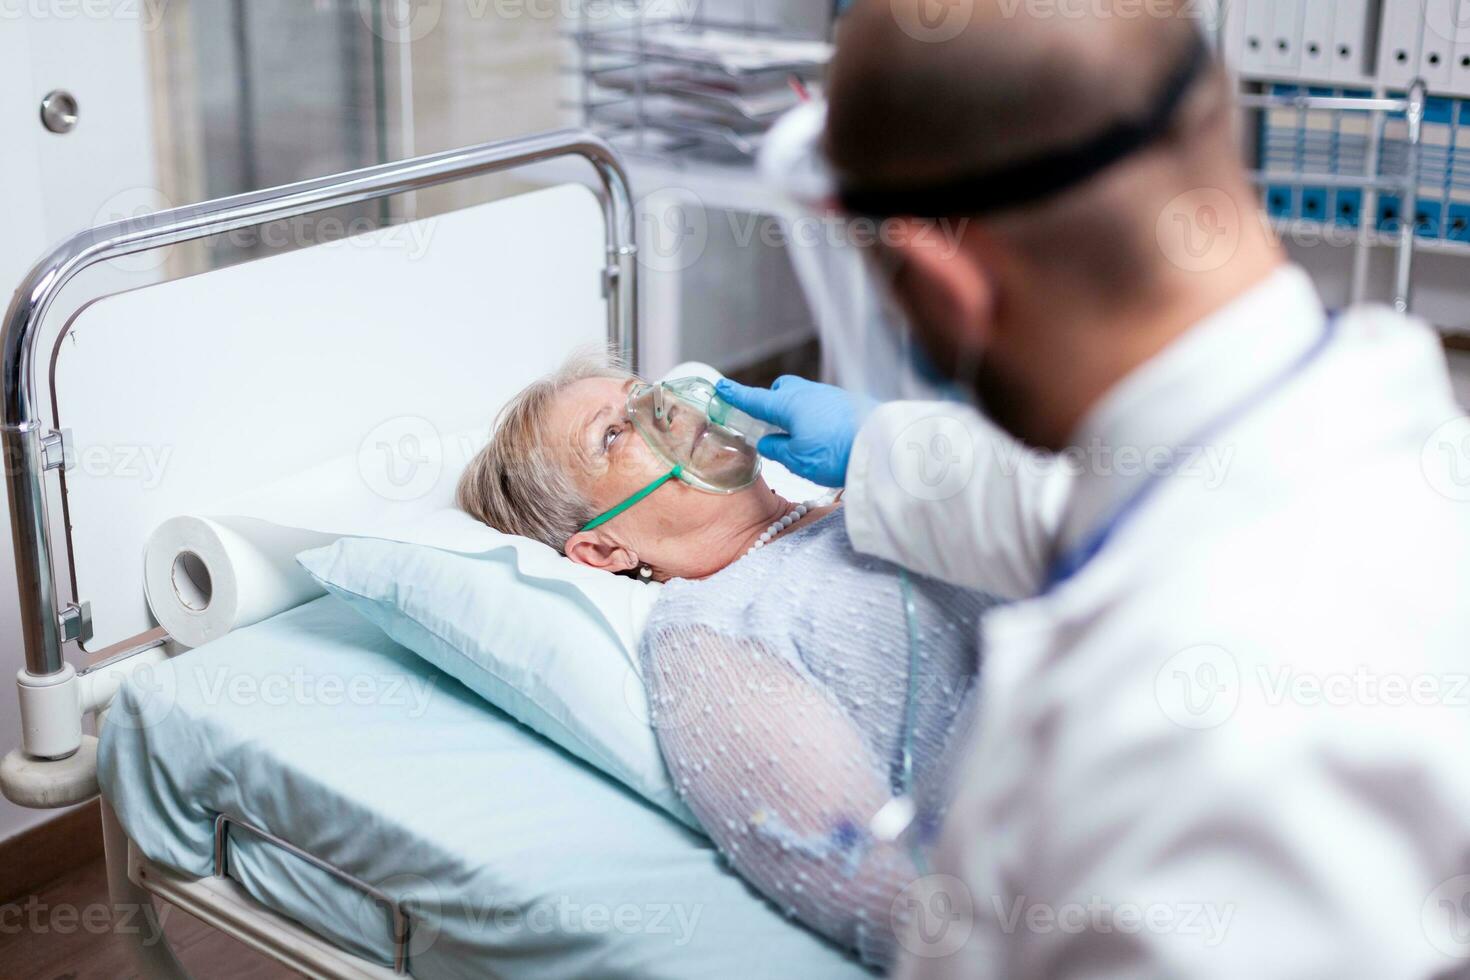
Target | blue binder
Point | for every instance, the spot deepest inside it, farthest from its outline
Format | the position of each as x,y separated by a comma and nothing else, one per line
1392,163
1317,154
1457,217
1350,159
1278,150
1435,162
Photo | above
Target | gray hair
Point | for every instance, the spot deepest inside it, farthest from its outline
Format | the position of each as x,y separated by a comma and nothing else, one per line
518,483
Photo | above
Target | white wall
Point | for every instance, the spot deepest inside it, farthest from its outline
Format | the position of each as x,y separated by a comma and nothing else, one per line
52,186
1460,375
474,78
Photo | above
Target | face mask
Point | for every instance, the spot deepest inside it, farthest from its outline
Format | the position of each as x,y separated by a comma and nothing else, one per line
923,368
704,442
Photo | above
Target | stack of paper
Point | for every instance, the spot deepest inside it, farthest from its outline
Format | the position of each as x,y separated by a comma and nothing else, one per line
705,86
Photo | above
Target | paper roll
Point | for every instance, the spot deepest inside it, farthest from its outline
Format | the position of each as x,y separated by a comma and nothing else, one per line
205,576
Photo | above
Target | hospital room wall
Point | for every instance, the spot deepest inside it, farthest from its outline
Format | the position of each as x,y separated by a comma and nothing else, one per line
475,78
51,186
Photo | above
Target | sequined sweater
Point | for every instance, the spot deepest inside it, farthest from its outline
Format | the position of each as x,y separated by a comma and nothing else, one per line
779,687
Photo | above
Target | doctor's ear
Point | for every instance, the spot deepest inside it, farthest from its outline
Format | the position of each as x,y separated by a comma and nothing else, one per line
593,550
939,276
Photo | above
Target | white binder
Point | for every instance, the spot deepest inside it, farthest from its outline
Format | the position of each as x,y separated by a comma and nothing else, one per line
1398,48
1317,36
1350,41
1284,52
1437,43
1460,64
1256,35
1232,34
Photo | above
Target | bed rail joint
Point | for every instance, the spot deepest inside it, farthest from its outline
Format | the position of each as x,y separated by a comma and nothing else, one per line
57,451
75,621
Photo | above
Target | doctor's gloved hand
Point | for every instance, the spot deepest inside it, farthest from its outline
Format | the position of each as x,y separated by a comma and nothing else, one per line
821,423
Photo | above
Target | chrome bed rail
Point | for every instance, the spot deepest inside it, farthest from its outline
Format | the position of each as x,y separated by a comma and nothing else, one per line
399,919
30,448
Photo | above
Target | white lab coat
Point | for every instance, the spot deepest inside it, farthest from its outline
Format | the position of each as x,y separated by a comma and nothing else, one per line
1237,744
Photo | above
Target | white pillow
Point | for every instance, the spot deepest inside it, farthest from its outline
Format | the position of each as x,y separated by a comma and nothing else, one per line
519,630
621,602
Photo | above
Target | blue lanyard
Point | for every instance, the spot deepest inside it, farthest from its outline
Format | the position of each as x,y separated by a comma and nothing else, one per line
1069,563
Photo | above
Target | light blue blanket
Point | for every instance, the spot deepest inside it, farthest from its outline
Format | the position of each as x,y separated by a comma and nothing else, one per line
518,859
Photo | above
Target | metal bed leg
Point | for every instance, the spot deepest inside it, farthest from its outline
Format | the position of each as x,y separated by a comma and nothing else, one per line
141,931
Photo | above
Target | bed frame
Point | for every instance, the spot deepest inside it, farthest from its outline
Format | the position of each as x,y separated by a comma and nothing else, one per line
56,765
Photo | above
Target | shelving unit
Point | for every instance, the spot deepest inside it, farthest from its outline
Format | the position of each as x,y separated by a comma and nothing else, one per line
1370,184
703,85
1361,135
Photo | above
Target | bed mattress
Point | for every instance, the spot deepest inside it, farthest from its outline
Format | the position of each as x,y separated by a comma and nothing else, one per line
516,859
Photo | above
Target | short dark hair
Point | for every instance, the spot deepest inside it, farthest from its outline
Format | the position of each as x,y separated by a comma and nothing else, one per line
905,110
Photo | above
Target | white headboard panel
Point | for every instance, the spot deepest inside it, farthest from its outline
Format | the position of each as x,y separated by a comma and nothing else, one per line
186,393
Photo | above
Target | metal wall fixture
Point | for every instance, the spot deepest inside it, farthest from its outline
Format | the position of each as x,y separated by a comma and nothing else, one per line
59,111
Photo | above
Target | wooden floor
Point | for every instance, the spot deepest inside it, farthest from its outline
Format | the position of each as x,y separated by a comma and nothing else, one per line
59,933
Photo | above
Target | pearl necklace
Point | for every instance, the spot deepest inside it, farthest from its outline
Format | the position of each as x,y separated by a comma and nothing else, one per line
796,514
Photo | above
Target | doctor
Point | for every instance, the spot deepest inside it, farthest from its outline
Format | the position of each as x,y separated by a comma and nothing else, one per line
1225,731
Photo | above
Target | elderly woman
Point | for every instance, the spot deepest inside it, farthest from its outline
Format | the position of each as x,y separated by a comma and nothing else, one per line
791,704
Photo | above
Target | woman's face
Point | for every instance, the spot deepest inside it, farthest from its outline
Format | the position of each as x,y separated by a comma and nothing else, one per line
605,457
609,461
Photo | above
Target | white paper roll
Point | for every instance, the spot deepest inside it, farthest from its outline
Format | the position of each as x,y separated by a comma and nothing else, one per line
205,576
234,564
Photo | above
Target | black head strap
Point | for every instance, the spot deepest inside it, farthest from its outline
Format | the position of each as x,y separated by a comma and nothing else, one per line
1042,176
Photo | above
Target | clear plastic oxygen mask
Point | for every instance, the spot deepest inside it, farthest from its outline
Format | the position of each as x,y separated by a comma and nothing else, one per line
704,441
690,427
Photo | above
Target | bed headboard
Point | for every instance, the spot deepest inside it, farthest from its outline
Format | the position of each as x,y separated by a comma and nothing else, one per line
185,393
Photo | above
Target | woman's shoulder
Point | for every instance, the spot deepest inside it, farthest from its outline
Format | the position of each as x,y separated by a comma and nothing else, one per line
732,585
811,554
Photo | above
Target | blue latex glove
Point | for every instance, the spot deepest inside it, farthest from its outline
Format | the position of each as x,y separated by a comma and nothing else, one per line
821,422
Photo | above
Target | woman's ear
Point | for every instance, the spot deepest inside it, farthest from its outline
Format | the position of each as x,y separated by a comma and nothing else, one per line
595,551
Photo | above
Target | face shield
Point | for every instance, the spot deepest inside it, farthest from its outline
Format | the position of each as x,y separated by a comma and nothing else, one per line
704,441
867,344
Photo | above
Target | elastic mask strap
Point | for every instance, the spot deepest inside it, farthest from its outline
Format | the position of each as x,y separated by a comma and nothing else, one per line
1043,176
608,515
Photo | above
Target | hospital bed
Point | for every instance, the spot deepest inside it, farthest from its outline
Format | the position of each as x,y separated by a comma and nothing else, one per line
396,834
